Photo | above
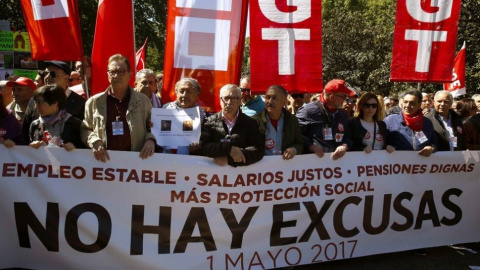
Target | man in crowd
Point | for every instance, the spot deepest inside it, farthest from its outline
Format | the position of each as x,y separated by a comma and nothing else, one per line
119,117
476,98
324,123
426,104
22,93
251,105
410,130
230,136
349,105
84,68
40,78
145,84
296,101
187,91
6,93
74,79
280,128
394,105
447,124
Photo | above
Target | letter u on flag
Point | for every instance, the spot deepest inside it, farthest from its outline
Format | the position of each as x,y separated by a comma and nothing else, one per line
113,34
205,40
424,40
54,29
457,86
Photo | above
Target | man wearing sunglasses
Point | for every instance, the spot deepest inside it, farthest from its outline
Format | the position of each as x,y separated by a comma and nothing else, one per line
251,105
324,123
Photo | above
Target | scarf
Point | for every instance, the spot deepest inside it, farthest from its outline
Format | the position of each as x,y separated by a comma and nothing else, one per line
52,119
414,121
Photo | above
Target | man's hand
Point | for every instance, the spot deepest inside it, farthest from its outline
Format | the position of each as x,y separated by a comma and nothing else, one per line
148,149
8,143
390,149
289,153
317,149
237,155
221,161
426,151
368,149
68,146
99,151
36,144
339,152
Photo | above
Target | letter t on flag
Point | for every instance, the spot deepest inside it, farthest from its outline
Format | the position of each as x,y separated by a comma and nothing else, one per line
457,86
113,34
54,29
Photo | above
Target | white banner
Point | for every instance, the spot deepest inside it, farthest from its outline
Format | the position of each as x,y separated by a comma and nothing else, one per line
176,127
64,210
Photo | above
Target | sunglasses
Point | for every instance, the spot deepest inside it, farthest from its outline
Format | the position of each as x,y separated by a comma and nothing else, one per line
244,89
53,74
297,96
370,105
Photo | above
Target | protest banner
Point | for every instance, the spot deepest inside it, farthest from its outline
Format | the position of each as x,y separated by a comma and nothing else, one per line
64,210
424,40
286,45
205,41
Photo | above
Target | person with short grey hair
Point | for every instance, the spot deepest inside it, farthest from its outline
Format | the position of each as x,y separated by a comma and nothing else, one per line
230,136
145,84
476,98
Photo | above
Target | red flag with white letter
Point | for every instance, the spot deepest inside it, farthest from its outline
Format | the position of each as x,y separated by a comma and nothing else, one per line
424,40
140,56
457,86
54,29
113,34
205,41
286,45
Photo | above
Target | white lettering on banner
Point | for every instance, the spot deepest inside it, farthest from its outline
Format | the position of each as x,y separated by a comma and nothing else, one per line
221,5
425,40
49,9
201,43
270,10
286,46
440,10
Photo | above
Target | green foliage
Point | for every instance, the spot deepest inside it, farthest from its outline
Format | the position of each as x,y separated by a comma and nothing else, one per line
246,58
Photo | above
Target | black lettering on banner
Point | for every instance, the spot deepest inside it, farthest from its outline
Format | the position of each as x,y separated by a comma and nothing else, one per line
278,224
238,228
48,235
139,229
197,216
427,199
452,207
338,218
403,211
104,227
316,221
367,219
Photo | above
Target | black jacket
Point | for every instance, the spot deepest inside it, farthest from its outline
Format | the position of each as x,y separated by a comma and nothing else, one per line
358,133
70,132
443,142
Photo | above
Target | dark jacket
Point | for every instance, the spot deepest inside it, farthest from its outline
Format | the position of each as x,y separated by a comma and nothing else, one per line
471,130
291,134
443,142
70,132
358,133
245,135
312,122
397,129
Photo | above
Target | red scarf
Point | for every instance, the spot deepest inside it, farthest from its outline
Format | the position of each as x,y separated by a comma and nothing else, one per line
414,121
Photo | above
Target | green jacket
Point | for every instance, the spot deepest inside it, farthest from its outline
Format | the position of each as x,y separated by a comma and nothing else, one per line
291,134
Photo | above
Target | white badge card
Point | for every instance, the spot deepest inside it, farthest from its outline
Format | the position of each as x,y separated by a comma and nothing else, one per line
327,134
117,128
421,137
453,140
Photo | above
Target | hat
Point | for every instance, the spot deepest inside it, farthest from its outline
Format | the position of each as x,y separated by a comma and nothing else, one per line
62,65
339,86
24,81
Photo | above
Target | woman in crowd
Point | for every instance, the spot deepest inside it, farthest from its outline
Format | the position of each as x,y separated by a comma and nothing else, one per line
467,109
367,120
54,127
10,128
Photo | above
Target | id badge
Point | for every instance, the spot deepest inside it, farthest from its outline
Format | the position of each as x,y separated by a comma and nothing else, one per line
453,140
339,137
225,140
421,137
117,128
327,134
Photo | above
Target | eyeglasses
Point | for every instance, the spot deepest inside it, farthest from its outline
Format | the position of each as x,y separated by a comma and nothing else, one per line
370,105
53,74
244,89
229,99
350,101
116,72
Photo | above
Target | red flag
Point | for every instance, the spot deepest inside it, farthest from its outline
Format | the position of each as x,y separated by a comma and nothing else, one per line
205,41
54,29
140,56
113,34
286,45
457,86
424,42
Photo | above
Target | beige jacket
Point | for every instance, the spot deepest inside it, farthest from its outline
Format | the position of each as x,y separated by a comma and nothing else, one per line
138,116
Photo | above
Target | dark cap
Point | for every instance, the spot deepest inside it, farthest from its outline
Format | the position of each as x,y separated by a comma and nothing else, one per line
62,65
23,81
339,86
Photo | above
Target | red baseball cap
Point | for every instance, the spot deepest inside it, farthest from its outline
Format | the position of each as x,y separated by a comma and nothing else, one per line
339,86
23,81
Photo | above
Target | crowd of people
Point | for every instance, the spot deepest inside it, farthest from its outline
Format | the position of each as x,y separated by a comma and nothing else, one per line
53,110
